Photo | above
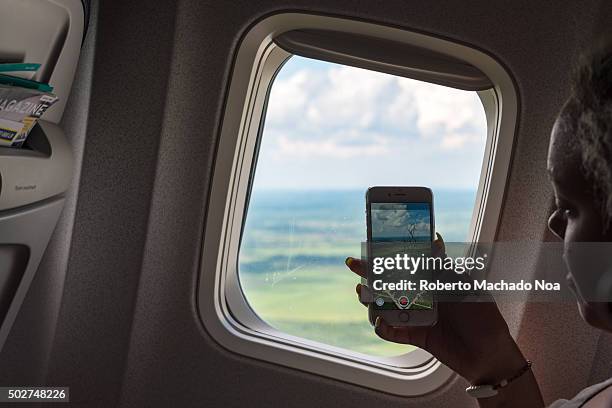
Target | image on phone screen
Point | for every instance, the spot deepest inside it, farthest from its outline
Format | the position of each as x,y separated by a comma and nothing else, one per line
401,228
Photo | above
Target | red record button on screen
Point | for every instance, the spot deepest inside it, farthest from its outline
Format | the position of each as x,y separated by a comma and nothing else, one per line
403,301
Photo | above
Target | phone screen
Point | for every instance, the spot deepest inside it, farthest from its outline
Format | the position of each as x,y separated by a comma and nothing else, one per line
401,228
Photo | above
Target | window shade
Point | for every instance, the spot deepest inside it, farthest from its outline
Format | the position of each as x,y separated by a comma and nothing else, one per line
384,55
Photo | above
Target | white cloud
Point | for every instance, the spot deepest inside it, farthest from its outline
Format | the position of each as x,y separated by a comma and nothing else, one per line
451,141
328,147
324,99
318,102
331,114
422,227
396,222
289,98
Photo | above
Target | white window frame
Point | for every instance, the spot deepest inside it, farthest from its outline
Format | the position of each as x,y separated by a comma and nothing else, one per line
223,308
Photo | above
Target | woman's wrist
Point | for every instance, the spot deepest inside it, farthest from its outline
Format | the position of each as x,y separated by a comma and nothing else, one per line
523,392
502,362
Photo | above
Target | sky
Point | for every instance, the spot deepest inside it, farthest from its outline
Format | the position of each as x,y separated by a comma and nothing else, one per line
330,126
393,219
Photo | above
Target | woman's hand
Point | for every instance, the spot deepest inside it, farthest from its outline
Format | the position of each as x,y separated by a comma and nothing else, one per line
470,338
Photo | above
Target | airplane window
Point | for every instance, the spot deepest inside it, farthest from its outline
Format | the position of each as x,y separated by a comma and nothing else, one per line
330,132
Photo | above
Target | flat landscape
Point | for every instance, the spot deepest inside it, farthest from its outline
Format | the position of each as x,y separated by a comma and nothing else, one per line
292,256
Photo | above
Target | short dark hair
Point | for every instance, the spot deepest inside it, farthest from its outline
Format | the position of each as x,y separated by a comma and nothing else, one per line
589,113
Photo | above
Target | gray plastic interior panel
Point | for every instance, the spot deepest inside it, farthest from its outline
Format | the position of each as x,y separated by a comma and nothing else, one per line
31,227
48,32
13,262
33,178
40,170
384,55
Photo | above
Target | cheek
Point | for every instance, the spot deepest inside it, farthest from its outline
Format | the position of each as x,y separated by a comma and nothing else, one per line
597,314
587,257
586,262
587,227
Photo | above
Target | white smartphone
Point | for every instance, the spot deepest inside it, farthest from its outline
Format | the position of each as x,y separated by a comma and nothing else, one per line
400,219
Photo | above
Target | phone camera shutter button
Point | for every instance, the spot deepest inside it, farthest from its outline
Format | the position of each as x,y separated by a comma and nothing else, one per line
404,317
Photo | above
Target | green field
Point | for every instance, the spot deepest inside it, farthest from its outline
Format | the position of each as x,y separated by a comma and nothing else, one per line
292,263
318,303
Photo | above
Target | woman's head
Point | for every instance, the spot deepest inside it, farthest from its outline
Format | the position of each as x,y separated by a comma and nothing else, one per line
580,166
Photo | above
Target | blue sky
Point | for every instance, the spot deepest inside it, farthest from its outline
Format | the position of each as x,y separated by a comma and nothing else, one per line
336,127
